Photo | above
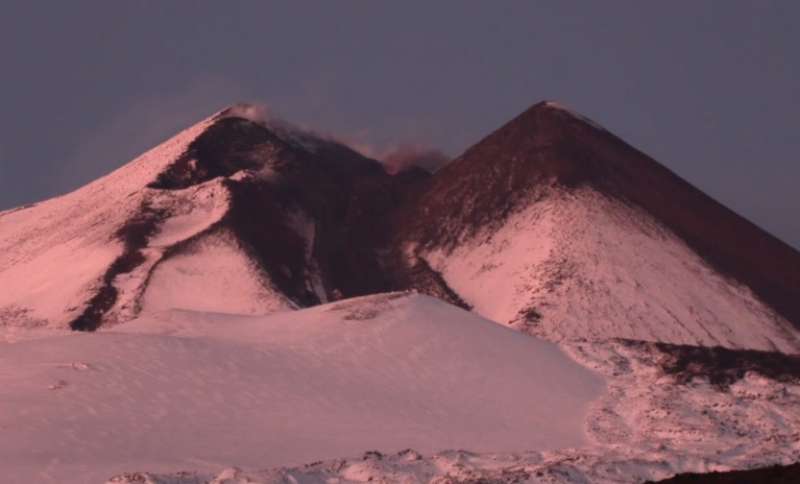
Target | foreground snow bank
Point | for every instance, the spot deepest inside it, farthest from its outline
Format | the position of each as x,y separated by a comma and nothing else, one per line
206,391
650,424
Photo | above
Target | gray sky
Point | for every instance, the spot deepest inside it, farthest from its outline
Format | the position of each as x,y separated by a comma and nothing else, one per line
708,88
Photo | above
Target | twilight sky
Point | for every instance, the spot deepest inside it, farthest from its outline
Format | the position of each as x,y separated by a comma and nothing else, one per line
711,89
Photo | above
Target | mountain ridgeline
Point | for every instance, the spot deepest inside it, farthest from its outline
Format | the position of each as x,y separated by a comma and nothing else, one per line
550,224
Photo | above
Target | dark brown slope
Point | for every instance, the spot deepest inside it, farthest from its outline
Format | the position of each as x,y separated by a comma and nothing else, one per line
547,145
345,196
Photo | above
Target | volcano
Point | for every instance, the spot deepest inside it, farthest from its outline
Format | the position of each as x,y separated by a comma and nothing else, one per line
230,215
554,225
551,224
247,294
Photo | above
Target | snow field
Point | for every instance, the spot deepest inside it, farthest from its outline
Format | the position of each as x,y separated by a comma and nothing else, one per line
187,390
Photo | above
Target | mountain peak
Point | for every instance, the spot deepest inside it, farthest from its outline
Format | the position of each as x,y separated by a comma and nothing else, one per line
551,153
257,113
554,113
288,132
547,143
295,219
229,145
548,104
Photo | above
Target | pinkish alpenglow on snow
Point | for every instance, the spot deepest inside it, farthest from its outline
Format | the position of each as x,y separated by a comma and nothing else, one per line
249,298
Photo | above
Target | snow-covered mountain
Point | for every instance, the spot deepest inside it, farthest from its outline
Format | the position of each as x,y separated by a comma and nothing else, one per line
550,224
555,226
248,294
231,215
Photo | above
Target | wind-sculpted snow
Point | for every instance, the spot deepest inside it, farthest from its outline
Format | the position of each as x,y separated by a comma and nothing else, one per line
188,390
649,425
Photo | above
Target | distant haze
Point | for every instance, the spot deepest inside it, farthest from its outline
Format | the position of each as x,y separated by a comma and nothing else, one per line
708,88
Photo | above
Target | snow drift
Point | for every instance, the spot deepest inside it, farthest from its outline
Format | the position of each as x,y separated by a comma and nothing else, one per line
207,390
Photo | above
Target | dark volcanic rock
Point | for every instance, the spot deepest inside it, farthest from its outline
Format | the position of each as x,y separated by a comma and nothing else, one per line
344,198
134,235
227,146
766,475
722,366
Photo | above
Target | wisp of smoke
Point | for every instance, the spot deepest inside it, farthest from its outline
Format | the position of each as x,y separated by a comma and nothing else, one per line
395,159
263,115
257,113
405,157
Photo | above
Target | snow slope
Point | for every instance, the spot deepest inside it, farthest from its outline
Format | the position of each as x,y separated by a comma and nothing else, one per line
53,254
207,390
212,274
89,255
646,426
575,264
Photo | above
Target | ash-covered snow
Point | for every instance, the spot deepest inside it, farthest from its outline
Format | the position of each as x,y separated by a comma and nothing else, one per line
578,265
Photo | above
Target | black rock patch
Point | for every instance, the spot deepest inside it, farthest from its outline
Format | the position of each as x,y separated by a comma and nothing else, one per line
765,475
722,367
134,235
227,146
